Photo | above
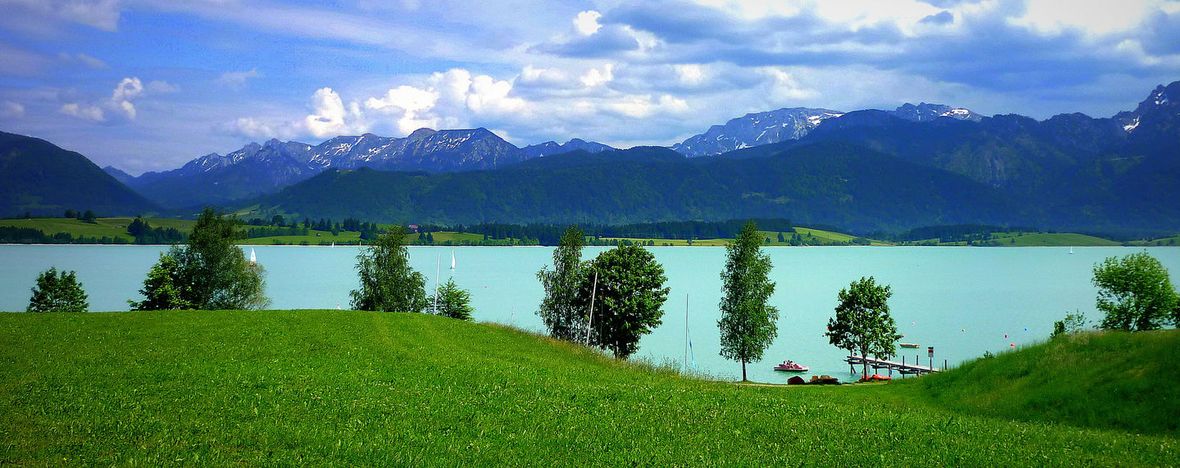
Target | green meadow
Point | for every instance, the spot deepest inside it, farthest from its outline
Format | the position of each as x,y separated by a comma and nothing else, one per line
360,388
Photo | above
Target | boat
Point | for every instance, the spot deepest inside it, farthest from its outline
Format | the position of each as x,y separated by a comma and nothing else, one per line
452,259
253,257
791,366
1071,250
909,345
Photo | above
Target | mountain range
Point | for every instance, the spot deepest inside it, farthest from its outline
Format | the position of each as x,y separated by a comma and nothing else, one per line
864,169
258,169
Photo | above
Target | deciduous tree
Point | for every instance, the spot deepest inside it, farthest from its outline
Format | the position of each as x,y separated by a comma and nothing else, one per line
388,283
627,300
58,292
559,308
1135,293
862,323
748,322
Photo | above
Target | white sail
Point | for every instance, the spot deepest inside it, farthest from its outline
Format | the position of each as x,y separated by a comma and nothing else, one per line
253,256
452,259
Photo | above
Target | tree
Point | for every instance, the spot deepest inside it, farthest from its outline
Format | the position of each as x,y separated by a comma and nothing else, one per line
560,309
208,273
88,217
57,292
781,238
1135,293
863,323
162,288
454,302
388,283
628,299
1072,323
748,324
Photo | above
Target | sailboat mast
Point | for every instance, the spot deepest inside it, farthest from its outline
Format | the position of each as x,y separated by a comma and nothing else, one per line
437,268
686,332
593,289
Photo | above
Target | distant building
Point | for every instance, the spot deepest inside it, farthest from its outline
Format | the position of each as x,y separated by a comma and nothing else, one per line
413,228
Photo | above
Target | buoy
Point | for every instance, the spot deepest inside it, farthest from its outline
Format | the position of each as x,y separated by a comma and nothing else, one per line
1005,336
1012,345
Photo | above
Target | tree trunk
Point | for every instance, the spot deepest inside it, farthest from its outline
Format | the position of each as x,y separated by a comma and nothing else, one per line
744,371
864,353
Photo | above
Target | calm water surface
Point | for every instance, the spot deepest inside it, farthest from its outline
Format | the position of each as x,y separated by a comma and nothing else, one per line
963,301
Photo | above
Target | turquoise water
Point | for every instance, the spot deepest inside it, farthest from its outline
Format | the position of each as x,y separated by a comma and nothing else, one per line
961,300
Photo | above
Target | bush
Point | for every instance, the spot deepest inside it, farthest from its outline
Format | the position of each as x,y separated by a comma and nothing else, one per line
453,302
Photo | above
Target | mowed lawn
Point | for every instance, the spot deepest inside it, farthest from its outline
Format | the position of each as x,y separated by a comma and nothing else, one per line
359,388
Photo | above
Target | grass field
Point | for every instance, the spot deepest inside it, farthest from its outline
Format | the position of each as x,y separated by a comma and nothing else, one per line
358,388
1044,239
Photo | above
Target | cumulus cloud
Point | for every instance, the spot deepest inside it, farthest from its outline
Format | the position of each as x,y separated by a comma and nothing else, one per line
237,79
408,104
330,117
597,77
127,90
121,103
11,110
586,23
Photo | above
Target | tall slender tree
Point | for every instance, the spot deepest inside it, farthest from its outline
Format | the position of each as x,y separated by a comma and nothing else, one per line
748,322
388,283
862,323
560,307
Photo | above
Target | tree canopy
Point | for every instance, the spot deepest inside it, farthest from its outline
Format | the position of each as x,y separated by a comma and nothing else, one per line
388,283
209,273
863,323
627,300
1135,293
57,291
748,323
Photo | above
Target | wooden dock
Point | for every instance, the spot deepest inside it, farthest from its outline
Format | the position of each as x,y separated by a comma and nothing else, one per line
901,367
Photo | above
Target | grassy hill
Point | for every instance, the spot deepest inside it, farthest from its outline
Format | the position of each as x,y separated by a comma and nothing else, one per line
358,388
1111,380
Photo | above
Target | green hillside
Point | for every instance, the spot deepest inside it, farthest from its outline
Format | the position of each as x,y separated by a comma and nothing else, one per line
1109,380
42,179
358,388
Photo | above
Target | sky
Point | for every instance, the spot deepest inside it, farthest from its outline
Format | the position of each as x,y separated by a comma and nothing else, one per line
148,84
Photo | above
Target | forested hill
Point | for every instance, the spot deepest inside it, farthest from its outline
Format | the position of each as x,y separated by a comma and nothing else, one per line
40,178
830,183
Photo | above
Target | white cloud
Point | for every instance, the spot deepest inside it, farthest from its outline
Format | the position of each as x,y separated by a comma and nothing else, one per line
690,74
251,127
488,95
11,110
408,104
586,23
785,88
595,77
1096,17
101,14
83,59
330,117
643,106
127,90
237,79
92,113
160,87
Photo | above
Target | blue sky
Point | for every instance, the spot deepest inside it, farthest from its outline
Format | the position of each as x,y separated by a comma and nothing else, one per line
148,85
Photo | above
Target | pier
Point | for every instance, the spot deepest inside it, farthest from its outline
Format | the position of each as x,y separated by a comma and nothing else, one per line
901,367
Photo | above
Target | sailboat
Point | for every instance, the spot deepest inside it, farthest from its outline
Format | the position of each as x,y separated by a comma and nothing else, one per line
1071,250
452,259
253,256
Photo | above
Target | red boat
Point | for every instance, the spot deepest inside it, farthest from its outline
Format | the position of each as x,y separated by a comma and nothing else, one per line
791,366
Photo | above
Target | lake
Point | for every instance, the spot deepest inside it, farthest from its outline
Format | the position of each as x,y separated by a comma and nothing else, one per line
961,300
